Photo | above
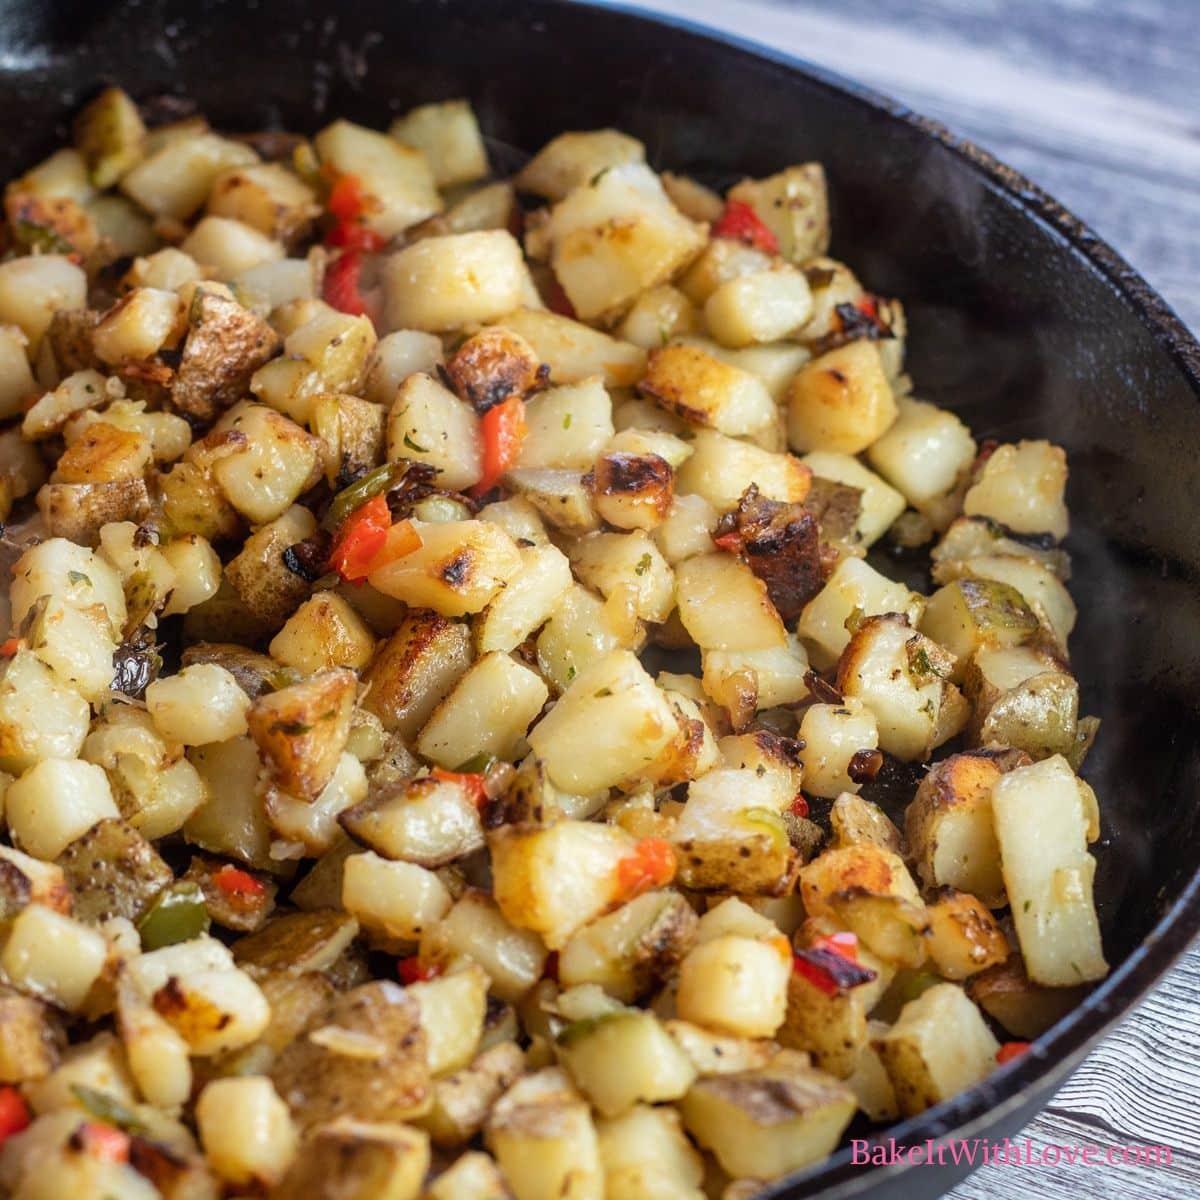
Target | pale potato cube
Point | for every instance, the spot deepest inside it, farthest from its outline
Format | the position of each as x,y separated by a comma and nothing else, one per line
313,823
1045,818
1041,589
721,260
687,529
396,179
53,957
77,393
778,673
528,601
443,283
453,1008
167,269
16,379
570,159
581,630
428,423
33,289
277,461
854,585
833,734
658,316
736,984
724,606
488,712
246,1130
1022,487
273,284
448,135
228,247
617,235
841,401
761,307
555,879
76,644
567,426
721,469
794,205
627,569
610,721
267,196
924,453
698,387
398,355
472,1176
938,1047
574,351
459,567
41,716
202,704
398,899
646,1156
175,178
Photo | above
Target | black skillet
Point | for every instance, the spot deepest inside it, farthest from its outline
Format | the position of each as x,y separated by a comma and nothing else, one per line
1020,320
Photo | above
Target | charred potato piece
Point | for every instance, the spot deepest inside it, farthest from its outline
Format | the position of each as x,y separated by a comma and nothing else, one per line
632,491
964,937
28,880
494,365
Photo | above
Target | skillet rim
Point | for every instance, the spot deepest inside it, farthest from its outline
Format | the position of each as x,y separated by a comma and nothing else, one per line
1032,1077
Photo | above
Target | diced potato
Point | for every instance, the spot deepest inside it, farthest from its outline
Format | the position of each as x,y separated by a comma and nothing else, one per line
53,957
33,289
970,613
1024,1008
793,204
736,984
832,735
687,529
397,356
302,729
775,676
657,316
398,899
443,283
462,1100
760,307
617,235
574,351
721,260
175,178
925,453
628,570
964,937
475,927
246,1130
231,820
269,198
395,179
336,346
1037,585
415,669
16,379
76,644
1045,818
262,585
428,423
722,468
472,1176
452,1016
700,388
458,569
1022,486
113,871
77,393
28,1040
201,704
567,426
448,135
768,1122
949,827
542,1135
610,720
273,462
570,159
324,632
869,891
228,247
938,1047
623,1058
841,401
109,133
562,498
313,824
725,606
716,1054
628,950
56,801
527,602
581,631
554,880
972,537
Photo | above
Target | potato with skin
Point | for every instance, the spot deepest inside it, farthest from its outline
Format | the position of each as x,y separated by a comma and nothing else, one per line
964,937
462,1099
1023,1008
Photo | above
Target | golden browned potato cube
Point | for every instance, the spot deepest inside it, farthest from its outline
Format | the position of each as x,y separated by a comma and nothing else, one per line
841,401
964,937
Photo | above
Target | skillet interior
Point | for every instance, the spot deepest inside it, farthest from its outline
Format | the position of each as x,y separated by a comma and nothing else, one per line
1019,320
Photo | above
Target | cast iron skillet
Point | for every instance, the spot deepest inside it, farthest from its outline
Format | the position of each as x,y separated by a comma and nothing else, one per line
1020,320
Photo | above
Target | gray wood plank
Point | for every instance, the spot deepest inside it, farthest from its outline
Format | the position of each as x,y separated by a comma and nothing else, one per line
1098,101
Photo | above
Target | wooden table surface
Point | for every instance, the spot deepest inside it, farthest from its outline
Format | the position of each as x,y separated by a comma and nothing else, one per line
1098,101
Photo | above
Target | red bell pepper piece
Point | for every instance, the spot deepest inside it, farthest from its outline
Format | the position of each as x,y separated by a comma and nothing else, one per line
361,538
413,970
346,200
502,428
557,300
741,223
651,865
14,1113
342,288
352,236
831,964
238,884
10,647
475,785
106,1142
799,805
1011,1050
